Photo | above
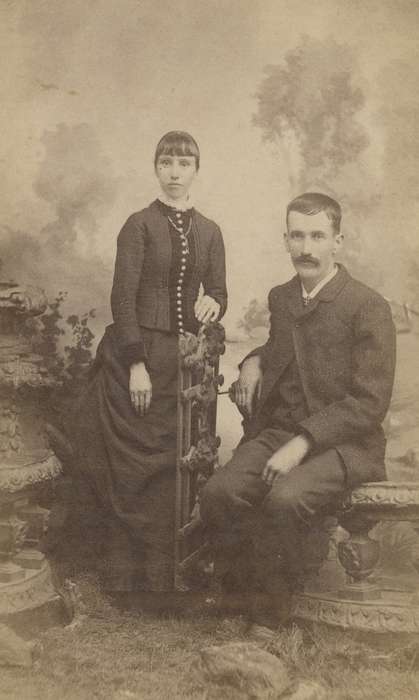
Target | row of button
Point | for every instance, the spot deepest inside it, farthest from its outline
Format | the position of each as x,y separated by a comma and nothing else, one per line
181,274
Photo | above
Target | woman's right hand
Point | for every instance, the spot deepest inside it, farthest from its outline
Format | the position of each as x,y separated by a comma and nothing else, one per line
140,388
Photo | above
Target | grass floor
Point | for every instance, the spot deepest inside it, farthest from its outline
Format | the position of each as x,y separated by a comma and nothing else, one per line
113,655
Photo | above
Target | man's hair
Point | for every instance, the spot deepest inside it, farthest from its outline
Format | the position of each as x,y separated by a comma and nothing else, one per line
315,202
177,143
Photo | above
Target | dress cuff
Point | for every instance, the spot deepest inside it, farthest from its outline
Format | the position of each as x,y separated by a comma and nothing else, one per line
131,354
222,303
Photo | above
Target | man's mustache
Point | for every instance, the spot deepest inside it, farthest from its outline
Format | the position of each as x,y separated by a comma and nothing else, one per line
306,259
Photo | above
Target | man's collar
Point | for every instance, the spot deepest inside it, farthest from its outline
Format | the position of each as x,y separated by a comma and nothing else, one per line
326,294
310,295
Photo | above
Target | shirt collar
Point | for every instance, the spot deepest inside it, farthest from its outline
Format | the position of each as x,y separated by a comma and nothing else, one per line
319,286
179,205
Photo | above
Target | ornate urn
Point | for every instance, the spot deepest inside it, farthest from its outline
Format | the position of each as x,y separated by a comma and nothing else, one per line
25,457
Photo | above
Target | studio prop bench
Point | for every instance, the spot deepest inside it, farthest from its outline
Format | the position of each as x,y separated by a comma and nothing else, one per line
362,600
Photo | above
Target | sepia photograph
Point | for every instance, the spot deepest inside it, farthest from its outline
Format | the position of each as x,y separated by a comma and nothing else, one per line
209,350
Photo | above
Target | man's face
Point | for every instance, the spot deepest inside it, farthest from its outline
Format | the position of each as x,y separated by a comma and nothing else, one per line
176,174
312,244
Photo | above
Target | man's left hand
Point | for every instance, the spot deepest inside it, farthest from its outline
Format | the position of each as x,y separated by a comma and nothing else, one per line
207,309
286,458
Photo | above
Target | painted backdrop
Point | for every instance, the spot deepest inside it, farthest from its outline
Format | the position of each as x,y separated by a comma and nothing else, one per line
280,94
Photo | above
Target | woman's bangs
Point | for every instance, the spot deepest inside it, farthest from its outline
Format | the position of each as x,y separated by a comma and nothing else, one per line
178,148
177,143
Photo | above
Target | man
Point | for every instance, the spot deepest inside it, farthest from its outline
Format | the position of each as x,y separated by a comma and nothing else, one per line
313,399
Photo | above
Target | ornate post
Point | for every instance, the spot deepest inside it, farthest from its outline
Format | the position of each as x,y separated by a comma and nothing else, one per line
359,555
197,445
25,457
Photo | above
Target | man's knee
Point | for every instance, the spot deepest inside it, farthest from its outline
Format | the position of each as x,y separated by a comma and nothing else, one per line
228,495
235,488
222,496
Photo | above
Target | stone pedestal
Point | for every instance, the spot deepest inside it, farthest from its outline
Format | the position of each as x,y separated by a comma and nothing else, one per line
366,601
26,460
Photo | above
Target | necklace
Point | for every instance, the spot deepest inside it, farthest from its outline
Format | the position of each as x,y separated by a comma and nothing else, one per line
179,230
183,236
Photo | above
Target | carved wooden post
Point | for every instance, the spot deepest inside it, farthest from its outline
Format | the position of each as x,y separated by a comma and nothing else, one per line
197,445
25,457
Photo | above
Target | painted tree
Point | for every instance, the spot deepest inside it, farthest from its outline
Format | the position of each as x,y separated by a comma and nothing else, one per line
308,106
398,219
311,107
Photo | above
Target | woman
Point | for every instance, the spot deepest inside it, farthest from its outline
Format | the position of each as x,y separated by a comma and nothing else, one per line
164,253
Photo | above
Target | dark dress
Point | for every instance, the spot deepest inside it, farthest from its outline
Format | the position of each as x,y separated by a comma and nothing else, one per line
130,460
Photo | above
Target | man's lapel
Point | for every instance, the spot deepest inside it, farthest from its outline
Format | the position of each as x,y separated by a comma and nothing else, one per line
326,294
284,346
295,298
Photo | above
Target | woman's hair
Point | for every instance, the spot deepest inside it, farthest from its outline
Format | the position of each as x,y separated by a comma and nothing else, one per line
177,143
314,203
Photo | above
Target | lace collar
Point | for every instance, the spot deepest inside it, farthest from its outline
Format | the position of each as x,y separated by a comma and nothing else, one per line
179,205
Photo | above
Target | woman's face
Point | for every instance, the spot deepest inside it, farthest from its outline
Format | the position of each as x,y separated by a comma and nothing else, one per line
176,174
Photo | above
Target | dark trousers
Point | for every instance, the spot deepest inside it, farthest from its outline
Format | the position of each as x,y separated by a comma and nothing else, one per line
271,528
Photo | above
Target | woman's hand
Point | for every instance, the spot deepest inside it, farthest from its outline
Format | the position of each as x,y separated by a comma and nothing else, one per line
140,388
206,309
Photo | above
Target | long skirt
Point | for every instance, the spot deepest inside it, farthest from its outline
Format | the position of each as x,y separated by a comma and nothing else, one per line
130,462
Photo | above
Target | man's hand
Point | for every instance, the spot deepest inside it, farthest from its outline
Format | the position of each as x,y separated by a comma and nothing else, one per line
140,388
286,458
207,309
249,383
